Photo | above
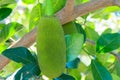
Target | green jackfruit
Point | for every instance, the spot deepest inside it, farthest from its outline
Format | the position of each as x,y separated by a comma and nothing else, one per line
69,28
51,47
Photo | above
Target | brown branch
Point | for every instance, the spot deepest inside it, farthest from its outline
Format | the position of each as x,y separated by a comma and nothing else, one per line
67,10
83,9
79,10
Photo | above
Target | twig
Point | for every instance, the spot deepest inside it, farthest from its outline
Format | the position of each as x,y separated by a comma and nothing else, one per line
90,41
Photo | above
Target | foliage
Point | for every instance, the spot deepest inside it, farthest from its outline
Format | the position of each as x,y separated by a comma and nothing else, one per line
92,53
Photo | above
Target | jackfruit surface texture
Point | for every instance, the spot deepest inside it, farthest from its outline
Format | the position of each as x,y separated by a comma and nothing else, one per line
51,47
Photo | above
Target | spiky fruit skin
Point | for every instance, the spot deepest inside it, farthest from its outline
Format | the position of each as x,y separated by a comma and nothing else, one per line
51,47
69,28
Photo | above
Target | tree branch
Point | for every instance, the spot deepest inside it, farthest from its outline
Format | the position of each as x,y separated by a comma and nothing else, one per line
66,11
79,10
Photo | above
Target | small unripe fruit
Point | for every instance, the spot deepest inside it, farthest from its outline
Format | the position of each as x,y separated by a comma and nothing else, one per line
69,28
51,47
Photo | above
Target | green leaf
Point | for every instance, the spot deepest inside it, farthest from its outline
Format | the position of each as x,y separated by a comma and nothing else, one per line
108,30
2,26
4,12
91,34
75,73
99,71
29,1
35,16
117,67
85,16
89,76
81,1
6,2
3,47
90,47
73,64
81,30
108,42
9,69
74,43
112,9
48,8
58,4
69,28
90,25
101,14
28,71
115,77
105,59
105,13
20,55
9,30
65,77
